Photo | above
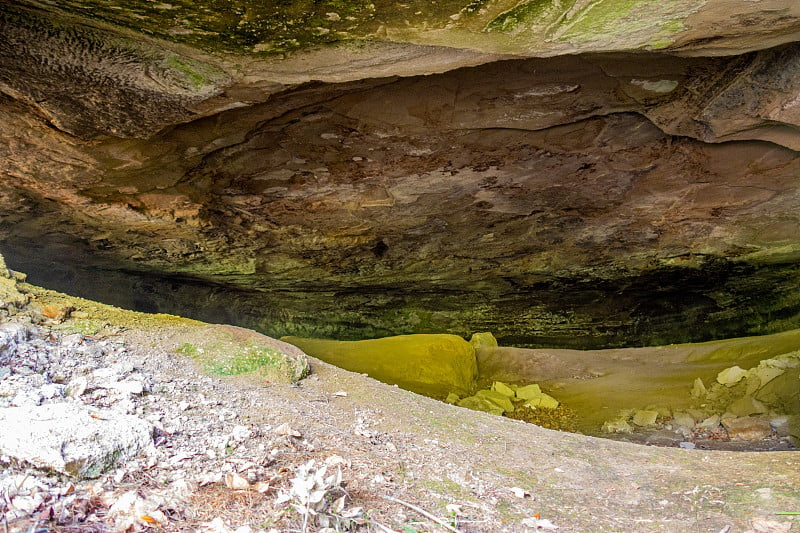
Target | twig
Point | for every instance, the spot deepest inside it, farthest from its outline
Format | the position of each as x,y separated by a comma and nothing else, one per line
384,528
424,513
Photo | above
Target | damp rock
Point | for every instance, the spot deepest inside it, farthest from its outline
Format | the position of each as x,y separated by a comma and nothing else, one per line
500,400
477,403
483,340
529,392
731,376
618,425
644,418
747,428
70,438
502,388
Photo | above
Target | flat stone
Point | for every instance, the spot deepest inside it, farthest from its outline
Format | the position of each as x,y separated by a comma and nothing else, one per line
683,419
731,376
71,438
760,376
747,428
529,392
644,418
480,404
499,399
712,422
618,425
544,400
502,388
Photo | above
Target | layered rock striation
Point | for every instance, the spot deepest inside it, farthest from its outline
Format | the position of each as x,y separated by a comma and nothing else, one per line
571,173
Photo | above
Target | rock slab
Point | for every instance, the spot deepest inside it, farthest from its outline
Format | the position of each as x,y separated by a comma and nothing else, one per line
71,438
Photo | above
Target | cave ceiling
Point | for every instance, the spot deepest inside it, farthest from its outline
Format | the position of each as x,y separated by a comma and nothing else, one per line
543,170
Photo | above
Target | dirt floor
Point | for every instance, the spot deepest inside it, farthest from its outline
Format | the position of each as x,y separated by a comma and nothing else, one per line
233,454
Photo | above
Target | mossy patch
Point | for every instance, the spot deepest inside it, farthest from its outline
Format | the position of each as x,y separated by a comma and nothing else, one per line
229,351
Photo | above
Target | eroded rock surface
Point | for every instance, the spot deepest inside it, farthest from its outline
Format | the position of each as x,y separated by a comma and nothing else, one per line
628,196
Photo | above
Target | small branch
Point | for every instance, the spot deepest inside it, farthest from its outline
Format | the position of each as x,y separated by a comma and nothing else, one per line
424,513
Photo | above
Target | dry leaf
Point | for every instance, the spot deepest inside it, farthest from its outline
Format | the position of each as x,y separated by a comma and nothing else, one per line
287,430
334,460
236,482
262,486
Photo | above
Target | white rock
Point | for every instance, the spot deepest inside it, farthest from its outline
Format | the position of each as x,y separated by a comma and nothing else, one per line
241,433
71,438
127,387
27,398
731,376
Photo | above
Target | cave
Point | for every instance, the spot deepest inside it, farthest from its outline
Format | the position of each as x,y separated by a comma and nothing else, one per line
565,177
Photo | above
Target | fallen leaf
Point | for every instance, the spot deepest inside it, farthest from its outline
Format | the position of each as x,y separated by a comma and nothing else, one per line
262,486
287,430
236,482
334,460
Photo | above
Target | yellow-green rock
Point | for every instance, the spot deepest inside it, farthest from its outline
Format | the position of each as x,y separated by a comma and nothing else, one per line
434,365
529,392
497,398
483,340
644,418
502,388
544,401
731,376
452,398
480,404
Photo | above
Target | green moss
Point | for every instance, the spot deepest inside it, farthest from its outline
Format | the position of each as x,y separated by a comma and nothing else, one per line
535,12
192,72
221,357
84,326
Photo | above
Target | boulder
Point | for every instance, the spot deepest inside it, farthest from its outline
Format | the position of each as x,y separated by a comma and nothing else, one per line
747,428
71,438
225,350
643,418
483,340
430,364
731,376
